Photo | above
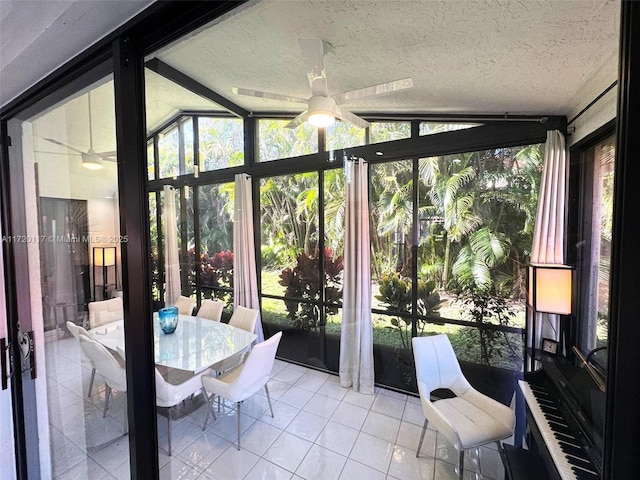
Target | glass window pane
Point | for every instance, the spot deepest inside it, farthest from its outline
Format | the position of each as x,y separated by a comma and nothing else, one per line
168,153
344,135
186,126
334,198
151,169
289,233
220,142
388,131
216,240
276,141
430,128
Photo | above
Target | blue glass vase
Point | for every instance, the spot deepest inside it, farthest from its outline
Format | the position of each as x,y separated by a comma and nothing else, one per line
168,319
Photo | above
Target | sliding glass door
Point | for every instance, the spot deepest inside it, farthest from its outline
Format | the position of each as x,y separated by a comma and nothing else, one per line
63,175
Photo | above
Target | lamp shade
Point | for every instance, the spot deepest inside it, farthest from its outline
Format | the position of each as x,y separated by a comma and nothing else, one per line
550,288
104,256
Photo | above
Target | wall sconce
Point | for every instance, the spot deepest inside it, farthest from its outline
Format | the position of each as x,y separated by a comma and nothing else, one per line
549,291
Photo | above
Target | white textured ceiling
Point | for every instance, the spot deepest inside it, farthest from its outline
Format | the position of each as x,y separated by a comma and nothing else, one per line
521,57
38,36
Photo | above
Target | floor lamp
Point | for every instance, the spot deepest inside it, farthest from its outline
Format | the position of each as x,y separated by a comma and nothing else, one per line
549,291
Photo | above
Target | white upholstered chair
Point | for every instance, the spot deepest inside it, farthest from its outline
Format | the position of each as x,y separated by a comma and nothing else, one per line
172,388
106,365
211,309
246,319
468,420
76,331
245,380
185,305
105,311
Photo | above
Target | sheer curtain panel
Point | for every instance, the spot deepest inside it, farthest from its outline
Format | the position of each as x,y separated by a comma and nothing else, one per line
172,288
245,280
549,233
356,339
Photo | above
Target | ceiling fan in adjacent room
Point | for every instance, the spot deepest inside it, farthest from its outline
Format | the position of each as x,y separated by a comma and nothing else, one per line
90,159
323,109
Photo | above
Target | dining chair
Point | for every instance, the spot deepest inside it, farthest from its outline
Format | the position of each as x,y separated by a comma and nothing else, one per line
76,331
246,319
106,365
174,387
105,311
245,380
185,305
468,420
211,309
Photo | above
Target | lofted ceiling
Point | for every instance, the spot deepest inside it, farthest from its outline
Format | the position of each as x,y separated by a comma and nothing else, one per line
465,56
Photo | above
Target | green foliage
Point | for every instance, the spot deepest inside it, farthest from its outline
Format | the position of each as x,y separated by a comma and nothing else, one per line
484,306
305,282
396,295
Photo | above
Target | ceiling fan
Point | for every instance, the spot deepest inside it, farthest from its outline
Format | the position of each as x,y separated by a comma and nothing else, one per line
90,159
322,109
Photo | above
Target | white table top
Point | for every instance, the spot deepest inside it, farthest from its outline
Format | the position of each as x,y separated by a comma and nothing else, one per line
197,343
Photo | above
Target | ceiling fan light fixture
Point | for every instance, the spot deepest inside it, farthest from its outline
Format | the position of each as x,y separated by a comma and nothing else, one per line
322,111
92,161
321,119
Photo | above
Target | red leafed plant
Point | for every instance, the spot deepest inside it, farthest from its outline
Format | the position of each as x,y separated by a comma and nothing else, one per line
303,284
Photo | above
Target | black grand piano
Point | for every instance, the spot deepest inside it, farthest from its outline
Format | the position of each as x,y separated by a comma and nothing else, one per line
565,405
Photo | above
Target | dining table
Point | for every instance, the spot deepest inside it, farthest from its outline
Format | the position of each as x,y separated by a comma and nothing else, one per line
196,344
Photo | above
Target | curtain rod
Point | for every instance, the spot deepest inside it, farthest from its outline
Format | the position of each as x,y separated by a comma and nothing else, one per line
592,103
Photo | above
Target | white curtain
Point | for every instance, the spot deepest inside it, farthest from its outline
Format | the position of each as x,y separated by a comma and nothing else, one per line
245,280
172,289
549,233
356,340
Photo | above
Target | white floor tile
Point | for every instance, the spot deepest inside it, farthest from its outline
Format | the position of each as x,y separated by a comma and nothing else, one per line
177,469
321,464
282,415
296,397
233,464
204,450
307,425
357,471
333,390
350,415
337,437
409,436
359,399
288,451
321,405
264,470
389,405
309,381
406,466
259,437
372,451
381,426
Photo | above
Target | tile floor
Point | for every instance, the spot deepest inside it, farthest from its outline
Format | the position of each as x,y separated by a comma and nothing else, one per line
320,431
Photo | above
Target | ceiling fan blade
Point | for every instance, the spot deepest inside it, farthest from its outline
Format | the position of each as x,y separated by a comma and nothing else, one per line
344,114
274,96
63,145
313,53
58,153
381,89
299,120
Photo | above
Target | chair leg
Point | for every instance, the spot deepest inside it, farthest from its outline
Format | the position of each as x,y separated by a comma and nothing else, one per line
266,389
210,401
93,375
461,465
169,428
106,400
238,412
424,429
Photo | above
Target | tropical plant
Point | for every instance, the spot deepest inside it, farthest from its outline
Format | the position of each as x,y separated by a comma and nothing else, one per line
396,294
303,287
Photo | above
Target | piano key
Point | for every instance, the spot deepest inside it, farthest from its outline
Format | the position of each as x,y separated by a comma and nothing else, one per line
551,430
